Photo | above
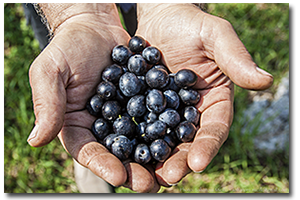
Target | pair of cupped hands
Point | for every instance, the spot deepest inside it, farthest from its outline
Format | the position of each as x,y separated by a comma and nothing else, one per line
68,70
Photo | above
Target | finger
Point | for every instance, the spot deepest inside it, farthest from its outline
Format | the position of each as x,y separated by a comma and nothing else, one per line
175,168
233,58
206,145
100,161
47,81
139,178
216,118
82,146
159,177
151,170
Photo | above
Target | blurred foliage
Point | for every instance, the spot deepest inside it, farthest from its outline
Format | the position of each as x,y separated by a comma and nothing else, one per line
263,28
26,169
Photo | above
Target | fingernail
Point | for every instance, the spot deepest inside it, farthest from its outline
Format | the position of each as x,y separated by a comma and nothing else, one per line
263,71
33,133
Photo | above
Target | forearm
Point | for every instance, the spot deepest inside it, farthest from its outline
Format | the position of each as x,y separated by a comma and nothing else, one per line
57,13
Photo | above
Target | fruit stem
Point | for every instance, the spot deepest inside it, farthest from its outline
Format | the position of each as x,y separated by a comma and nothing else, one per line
134,121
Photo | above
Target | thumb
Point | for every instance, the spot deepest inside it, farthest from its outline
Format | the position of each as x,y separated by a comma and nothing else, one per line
49,97
234,60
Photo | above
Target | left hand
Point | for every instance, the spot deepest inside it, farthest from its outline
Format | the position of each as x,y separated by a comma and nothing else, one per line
190,38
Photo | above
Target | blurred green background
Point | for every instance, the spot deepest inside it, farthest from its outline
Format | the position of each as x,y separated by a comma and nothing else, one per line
238,167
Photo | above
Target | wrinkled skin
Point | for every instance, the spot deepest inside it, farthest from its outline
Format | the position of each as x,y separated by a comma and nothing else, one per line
190,38
62,78
67,72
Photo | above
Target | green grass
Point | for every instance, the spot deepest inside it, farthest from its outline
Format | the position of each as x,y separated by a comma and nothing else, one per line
26,169
238,167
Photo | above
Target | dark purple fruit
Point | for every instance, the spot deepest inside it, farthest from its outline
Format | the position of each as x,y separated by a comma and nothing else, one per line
142,154
137,44
172,98
136,106
160,150
106,90
189,97
155,130
94,105
129,84
185,131
112,73
100,128
151,54
120,54
124,126
139,111
121,147
191,114
156,101
157,78
185,78
170,117
111,110
137,65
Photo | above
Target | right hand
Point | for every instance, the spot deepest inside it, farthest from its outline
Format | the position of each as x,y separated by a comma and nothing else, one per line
62,79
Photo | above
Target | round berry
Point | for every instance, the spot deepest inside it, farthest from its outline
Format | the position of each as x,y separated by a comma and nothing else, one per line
156,101
155,130
157,78
106,90
136,106
172,98
121,147
124,126
120,54
160,150
185,78
137,44
94,105
111,110
100,128
189,96
170,117
191,114
142,154
137,65
129,84
112,73
151,54
185,131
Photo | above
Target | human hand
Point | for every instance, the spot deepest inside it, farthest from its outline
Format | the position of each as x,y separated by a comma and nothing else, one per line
66,74
190,38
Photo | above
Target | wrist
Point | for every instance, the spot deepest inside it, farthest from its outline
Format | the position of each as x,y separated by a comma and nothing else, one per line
145,10
57,14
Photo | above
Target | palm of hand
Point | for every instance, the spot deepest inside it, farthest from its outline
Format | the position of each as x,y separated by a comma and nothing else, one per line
71,65
182,38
